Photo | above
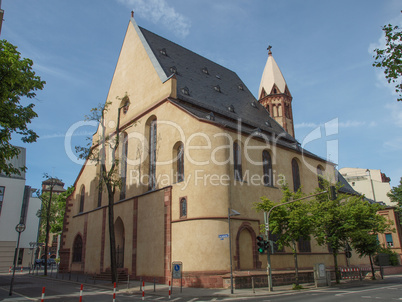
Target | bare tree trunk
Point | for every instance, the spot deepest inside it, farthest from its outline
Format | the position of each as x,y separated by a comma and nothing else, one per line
113,262
372,267
48,227
296,264
337,273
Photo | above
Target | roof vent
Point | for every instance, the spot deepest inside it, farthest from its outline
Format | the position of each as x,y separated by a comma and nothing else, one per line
268,123
205,70
257,131
163,51
185,91
253,104
240,86
218,76
173,69
231,108
211,116
217,88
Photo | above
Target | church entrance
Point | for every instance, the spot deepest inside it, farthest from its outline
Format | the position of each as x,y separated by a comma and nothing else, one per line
246,250
119,235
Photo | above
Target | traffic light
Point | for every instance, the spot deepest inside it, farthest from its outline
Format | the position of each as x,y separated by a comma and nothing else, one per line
260,244
332,193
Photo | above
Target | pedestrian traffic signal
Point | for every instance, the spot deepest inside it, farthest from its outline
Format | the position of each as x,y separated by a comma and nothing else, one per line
260,244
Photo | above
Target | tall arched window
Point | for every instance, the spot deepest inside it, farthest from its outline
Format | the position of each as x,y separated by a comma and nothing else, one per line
320,175
238,174
123,167
77,249
296,175
82,199
267,168
180,163
152,155
183,207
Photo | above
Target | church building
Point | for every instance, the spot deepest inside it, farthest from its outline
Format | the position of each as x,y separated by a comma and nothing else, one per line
195,143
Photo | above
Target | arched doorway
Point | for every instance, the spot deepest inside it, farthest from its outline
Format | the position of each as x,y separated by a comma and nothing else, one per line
119,236
246,248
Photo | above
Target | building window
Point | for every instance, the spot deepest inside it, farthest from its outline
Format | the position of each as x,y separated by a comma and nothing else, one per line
183,207
304,245
2,189
388,238
320,175
123,172
77,249
82,199
152,155
267,168
238,174
100,186
180,163
296,175
330,249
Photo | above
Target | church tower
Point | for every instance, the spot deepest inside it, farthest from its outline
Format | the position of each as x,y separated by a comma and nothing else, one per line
274,95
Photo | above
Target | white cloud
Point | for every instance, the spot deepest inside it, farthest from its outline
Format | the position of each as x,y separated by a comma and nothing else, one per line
158,11
393,145
350,124
345,124
306,125
63,135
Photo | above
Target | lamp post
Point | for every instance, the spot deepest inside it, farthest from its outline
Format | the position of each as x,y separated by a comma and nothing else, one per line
234,213
19,228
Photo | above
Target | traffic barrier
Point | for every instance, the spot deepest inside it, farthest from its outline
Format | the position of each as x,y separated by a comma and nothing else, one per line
143,290
21,269
114,292
81,292
170,289
43,295
9,270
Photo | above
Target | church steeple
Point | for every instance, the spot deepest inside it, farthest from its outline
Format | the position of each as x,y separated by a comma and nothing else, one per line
274,95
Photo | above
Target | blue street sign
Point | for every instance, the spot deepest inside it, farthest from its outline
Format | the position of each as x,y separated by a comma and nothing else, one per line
223,236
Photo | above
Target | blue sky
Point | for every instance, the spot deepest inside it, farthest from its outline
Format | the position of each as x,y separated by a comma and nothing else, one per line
323,48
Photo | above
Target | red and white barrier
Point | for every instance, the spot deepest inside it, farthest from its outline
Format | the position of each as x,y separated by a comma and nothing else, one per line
143,290
114,292
21,269
170,289
43,295
82,286
9,270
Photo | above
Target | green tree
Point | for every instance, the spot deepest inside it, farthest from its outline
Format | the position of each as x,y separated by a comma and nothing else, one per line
17,80
396,194
109,176
291,221
390,58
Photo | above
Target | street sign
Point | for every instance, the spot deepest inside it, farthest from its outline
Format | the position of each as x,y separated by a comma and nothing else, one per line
177,270
223,236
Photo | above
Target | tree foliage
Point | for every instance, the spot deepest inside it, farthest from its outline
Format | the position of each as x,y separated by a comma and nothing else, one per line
17,80
390,58
396,194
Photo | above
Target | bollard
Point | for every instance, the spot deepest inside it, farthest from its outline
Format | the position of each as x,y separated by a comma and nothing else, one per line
252,284
128,280
170,289
154,286
143,290
81,292
140,283
9,270
114,292
43,295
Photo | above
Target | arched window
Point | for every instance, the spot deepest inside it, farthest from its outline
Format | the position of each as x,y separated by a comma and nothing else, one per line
320,175
238,174
82,199
152,154
304,245
296,175
123,167
267,168
77,249
180,163
183,207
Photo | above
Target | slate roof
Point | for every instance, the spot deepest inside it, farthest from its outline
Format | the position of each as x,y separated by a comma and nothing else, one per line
205,87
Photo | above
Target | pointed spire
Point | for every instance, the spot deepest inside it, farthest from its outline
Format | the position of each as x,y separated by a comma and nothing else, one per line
271,76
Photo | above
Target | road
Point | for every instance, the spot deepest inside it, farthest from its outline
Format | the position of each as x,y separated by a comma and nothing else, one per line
28,288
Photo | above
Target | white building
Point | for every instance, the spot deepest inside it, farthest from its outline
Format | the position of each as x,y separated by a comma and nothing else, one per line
17,205
370,182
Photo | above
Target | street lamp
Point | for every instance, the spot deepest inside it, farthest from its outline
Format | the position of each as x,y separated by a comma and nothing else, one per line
234,213
19,228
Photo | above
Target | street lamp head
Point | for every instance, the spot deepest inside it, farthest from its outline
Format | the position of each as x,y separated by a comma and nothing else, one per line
234,213
20,227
